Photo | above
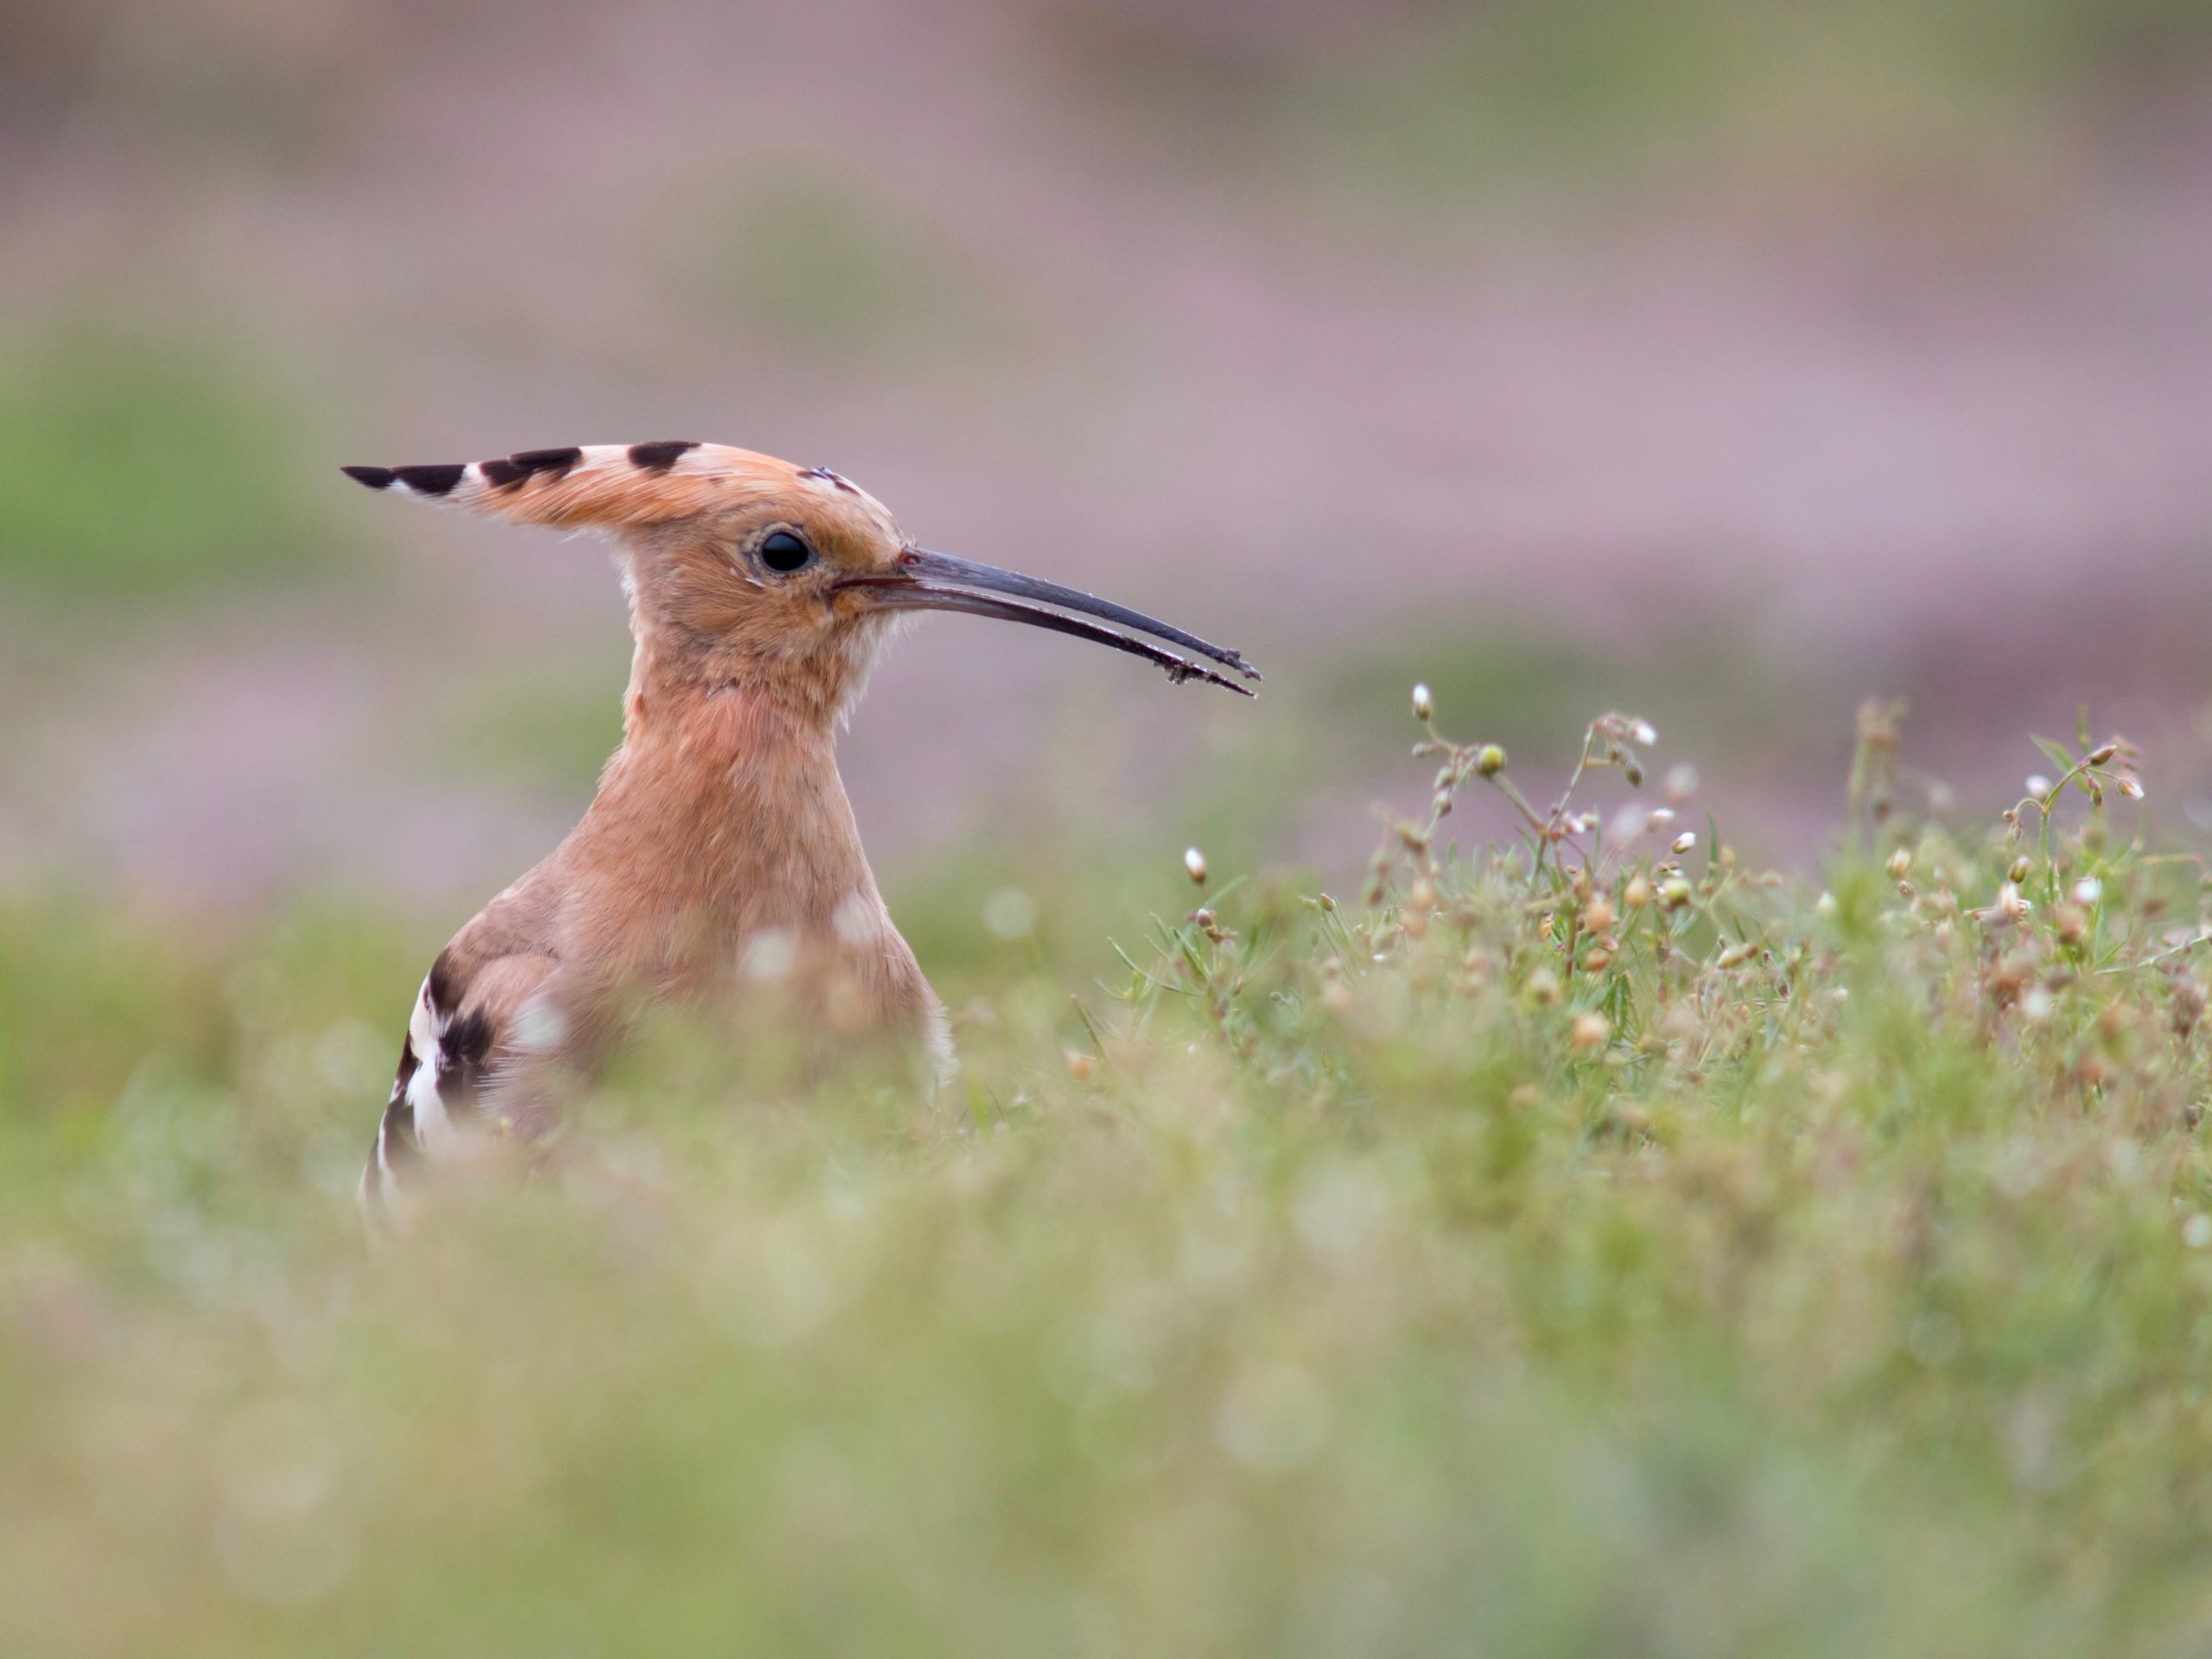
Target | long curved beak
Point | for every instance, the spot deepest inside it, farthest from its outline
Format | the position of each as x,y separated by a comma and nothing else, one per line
936,581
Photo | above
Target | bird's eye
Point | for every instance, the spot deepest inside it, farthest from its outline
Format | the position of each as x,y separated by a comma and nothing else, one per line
783,552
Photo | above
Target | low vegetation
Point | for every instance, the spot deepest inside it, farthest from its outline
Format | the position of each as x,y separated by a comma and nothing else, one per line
1580,1244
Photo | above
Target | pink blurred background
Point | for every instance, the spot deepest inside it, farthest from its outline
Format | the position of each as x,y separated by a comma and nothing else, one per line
1726,362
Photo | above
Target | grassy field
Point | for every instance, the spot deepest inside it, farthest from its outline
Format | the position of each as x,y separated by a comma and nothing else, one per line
1582,1245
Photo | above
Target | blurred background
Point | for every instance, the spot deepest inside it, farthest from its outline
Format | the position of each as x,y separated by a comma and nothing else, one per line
1726,362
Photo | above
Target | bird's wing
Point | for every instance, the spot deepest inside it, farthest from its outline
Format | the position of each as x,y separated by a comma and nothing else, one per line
475,1016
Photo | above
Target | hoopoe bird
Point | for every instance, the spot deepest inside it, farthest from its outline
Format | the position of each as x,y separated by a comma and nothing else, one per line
760,594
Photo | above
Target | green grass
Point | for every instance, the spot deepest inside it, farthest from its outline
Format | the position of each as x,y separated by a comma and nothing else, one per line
1433,107
145,470
1568,1247
832,267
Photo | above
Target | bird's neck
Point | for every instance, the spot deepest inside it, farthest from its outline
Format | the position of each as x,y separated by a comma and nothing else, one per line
724,806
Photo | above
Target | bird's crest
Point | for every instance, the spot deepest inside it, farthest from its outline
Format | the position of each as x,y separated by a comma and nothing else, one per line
601,486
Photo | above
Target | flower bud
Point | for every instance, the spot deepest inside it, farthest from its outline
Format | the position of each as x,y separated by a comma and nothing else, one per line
1543,986
1900,863
1686,841
2103,753
1637,894
2020,868
2131,786
1598,915
1590,1031
1424,704
1675,892
1489,760
1195,862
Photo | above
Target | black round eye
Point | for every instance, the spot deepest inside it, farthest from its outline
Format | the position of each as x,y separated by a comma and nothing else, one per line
784,552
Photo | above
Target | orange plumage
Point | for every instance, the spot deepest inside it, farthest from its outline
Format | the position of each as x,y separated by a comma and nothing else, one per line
721,838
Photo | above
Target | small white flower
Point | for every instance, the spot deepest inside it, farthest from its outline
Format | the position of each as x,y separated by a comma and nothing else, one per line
1195,862
1424,704
2039,786
1009,914
2088,890
1686,841
769,953
855,918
